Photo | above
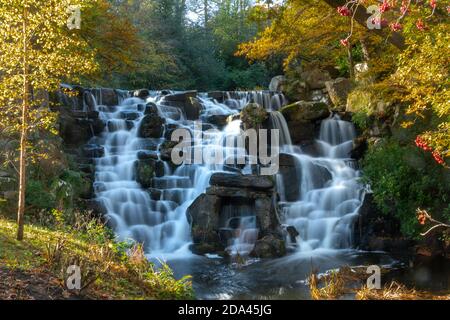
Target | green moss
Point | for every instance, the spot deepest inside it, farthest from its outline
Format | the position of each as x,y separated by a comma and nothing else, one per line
253,115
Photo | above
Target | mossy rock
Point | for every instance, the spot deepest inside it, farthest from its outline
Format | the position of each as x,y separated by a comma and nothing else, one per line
305,111
253,115
145,171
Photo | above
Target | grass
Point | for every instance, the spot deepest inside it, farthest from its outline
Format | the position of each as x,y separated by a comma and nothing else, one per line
346,280
109,270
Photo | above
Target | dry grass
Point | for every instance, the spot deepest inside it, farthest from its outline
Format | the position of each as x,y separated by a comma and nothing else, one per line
348,281
396,291
333,286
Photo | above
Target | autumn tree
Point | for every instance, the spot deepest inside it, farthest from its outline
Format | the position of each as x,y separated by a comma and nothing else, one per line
37,52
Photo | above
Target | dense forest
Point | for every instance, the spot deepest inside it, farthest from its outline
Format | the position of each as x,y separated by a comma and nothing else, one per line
360,88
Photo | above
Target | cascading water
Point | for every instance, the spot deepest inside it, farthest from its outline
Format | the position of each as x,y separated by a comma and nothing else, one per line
160,224
328,199
329,194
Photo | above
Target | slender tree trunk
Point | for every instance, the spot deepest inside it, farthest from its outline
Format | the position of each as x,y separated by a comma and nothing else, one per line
351,67
23,135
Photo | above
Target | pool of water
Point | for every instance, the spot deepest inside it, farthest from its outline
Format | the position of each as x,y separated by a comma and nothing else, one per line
285,278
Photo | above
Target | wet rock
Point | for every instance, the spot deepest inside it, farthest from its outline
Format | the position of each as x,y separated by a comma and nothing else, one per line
277,83
141,93
338,91
203,216
305,111
93,151
146,170
303,119
165,149
89,100
359,148
129,115
290,177
220,96
218,120
187,102
147,154
106,96
269,246
253,116
152,126
155,194
151,108
292,233
241,181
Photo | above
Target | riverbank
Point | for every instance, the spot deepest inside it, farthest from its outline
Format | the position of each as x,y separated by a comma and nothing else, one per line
36,268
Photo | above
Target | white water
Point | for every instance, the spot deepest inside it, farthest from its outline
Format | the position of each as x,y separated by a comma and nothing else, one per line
330,194
322,213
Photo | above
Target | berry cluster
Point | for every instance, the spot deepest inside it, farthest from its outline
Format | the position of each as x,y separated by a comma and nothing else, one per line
423,145
433,4
385,6
396,26
344,42
420,25
344,11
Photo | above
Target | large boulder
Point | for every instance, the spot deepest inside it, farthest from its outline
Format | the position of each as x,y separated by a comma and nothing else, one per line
203,216
305,111
141,93
315,78
106,96
338,91
186,101
303,119
253,116
146,170
290,177
152,126
269,246
241,181
277,83
77,127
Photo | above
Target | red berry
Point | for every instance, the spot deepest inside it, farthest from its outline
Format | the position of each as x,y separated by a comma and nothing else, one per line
396,26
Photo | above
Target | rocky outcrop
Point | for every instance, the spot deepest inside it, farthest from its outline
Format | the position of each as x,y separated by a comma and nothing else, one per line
253,116
77,127
303,119
152,125
207,214
374,231
338,91
241,181
186,101
277,83
315,78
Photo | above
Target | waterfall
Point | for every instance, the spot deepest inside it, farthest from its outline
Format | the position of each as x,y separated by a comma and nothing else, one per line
328,198
330,195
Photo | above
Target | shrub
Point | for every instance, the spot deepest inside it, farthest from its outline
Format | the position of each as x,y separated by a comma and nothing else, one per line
404,178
